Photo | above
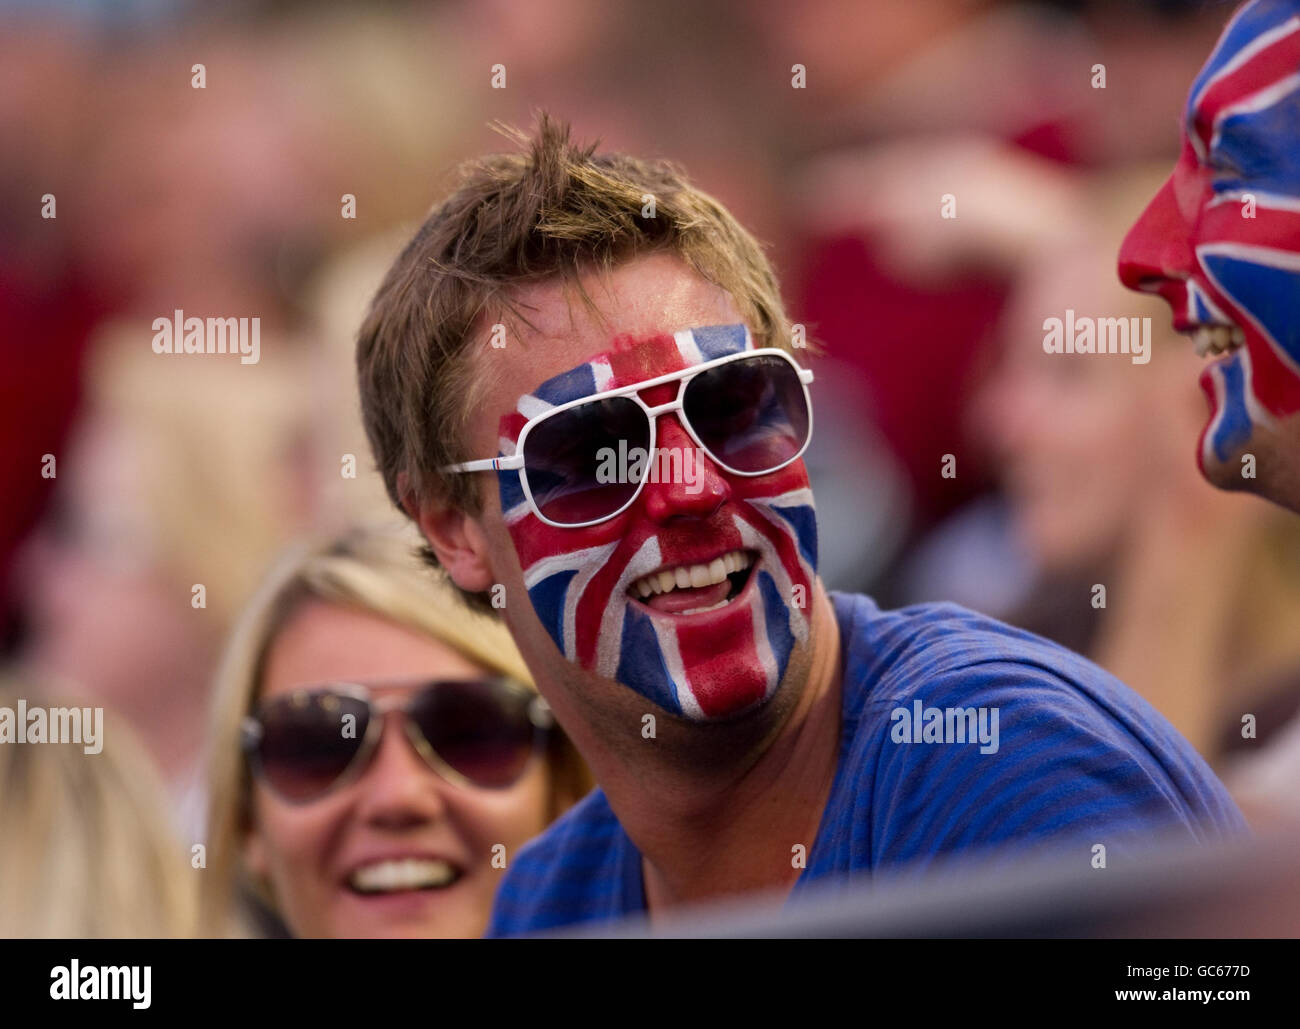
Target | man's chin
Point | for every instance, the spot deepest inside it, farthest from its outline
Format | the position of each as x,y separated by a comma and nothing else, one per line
731,700
1267,467
716,696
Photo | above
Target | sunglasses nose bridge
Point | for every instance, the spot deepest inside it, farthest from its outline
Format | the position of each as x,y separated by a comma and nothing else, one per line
659,421
383,706
379,755
382,712
654,412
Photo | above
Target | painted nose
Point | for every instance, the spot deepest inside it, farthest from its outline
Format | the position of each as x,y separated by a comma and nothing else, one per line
1158,247
690,485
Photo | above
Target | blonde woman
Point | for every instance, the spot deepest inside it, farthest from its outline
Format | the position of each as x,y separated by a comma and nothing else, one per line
379,755
86,848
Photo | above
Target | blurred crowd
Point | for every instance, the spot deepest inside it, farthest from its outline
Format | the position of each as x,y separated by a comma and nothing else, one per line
201,158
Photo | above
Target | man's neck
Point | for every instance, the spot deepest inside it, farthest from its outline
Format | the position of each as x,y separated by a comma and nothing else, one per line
745,828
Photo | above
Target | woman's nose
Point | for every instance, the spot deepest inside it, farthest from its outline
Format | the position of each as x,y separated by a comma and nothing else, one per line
399,788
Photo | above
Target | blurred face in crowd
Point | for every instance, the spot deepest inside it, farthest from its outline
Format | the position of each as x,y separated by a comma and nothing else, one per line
1221,244
681,599
1085,442
104,615
399,850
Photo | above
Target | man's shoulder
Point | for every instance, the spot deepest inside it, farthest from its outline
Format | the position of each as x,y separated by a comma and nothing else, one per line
933,637
988,716
571,873
943,652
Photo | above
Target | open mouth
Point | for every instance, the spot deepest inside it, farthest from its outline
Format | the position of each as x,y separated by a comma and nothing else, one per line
696,588
1215,339
403,875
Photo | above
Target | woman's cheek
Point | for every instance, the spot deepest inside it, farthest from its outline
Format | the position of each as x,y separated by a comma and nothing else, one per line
508,819
296,845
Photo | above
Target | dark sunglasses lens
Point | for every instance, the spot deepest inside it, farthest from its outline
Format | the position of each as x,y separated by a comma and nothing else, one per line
577,461
481,729
751,414
308,741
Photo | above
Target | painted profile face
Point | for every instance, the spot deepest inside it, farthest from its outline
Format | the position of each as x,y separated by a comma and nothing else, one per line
696,595
1221,244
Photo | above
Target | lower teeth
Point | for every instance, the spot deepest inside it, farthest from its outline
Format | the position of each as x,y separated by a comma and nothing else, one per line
711,607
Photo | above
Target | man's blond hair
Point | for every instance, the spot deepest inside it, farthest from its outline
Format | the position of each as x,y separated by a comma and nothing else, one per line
555,209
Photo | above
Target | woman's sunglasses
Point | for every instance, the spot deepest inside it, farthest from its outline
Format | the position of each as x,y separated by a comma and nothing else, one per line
482,733
749,412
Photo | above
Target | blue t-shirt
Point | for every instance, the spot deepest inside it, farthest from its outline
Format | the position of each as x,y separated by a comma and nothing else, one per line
1078,756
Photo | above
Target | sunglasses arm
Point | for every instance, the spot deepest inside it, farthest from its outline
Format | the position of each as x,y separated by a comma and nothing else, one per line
491,464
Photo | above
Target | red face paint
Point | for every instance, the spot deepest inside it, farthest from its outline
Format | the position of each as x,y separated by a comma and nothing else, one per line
750,542
1221,240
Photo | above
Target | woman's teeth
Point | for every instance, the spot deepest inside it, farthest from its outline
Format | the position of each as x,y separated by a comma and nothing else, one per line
404,874
692,576
1217,339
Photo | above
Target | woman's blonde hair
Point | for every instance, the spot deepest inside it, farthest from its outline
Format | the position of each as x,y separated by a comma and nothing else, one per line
86,850
374,570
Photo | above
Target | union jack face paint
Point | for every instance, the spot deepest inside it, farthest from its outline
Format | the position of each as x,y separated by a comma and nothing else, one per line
714,663
1221,240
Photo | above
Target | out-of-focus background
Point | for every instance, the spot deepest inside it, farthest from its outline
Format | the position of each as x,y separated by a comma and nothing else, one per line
128,478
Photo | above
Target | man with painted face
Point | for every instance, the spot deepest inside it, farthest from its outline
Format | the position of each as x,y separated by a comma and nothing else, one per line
578,379
1221,244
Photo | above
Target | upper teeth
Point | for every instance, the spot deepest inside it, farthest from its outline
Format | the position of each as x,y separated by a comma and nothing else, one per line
692,576
403,874
1217,339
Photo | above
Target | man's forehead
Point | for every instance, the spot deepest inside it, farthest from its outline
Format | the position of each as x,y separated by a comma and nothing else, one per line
630,359
1259,48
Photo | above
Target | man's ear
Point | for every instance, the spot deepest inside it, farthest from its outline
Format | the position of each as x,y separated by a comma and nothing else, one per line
456,539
